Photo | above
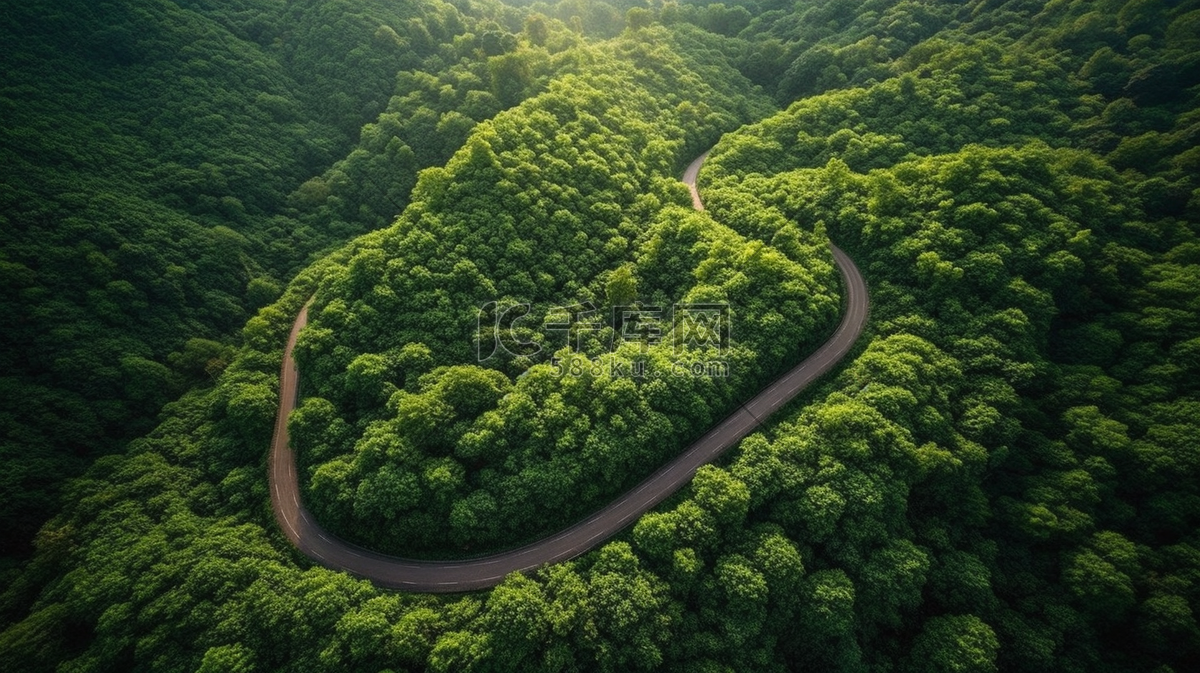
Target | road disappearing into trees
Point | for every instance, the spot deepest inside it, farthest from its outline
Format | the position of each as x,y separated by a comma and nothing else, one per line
481,573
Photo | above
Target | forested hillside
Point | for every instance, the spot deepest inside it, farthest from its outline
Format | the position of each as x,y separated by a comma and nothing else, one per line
548,204
168,167
1005,475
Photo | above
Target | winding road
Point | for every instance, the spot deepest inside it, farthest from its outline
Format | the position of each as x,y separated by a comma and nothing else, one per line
481,573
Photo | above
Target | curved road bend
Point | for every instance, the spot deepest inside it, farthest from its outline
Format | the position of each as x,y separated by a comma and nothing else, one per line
481,573
691,175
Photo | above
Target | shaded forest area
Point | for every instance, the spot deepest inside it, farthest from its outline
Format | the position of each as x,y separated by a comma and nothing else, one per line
1004,476
169,166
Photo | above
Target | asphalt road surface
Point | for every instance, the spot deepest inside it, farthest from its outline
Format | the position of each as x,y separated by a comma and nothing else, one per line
481,573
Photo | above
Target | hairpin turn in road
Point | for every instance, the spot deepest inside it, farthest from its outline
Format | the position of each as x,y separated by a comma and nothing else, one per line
481,573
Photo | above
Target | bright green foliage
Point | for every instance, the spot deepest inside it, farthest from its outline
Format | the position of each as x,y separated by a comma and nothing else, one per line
1004,476
501,220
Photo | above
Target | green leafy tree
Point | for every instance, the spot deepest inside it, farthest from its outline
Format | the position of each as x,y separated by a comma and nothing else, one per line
955,643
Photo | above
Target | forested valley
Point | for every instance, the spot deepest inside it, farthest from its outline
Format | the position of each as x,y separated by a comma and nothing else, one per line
1003,475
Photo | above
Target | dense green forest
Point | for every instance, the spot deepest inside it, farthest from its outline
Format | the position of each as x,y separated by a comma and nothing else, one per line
169,166
1005,475
585,170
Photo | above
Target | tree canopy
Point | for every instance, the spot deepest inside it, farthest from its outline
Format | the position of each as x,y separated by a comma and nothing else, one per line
1003,476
